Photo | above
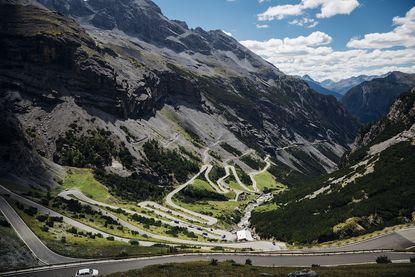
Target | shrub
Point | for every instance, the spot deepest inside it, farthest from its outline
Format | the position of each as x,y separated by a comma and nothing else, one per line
63,239
383,260
123,253
30,211
4,223
44,229
110,238
412,259
214,262
248,262
134,242
73,230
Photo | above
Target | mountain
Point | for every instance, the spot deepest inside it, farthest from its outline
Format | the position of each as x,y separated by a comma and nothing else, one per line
344,85
371,100
320,89
373,189
120,79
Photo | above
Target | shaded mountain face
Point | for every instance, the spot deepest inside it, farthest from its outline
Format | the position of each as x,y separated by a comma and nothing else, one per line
371,100
345,85
373,189
320,89
146,77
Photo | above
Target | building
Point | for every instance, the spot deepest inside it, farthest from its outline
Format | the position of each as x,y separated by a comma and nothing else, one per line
244,235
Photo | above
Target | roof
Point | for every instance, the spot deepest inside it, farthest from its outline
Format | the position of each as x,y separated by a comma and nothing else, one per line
244,235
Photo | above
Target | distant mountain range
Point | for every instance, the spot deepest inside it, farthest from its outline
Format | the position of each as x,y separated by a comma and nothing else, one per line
371,100
319,88
344,85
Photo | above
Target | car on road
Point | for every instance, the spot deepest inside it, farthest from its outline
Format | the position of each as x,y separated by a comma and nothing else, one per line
87,272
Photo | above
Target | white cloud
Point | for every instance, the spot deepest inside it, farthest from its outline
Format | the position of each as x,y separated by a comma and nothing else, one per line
262,26
402,35
328,8
304,22
312,55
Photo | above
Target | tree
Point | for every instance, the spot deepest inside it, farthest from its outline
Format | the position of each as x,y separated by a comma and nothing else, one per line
248,262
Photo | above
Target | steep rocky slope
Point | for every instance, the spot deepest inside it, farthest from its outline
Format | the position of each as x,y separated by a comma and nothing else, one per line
371,100
117,81
374,188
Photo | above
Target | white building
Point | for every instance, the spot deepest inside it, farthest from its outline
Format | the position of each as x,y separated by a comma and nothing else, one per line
244,235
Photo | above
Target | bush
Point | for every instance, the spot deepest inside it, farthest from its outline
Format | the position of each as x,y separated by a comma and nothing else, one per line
134,242
44,229
110,238
73,230
214,262
412,259
123,253
248,262
63,239
4,223
383,260
42,217
32,211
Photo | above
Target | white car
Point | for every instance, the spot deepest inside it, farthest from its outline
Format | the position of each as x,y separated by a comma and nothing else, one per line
87,272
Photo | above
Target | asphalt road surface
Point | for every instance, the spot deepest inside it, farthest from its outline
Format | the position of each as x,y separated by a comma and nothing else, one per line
108,267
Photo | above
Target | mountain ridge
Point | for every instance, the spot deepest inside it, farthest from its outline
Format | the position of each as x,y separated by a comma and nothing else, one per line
371,100
141,91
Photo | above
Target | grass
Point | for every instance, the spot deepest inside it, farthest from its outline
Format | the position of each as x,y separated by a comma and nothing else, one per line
266,180
224,211
202,185
230,269
234,185
267,207
83,179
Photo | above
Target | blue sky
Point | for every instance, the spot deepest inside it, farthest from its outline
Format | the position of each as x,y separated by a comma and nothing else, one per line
331,23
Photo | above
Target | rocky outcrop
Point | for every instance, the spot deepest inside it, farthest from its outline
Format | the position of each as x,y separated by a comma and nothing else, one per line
400,118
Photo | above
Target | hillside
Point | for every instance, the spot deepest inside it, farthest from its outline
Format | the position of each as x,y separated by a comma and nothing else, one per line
371,100
111,79
374,188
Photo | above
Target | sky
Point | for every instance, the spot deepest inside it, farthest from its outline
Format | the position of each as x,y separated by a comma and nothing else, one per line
326,39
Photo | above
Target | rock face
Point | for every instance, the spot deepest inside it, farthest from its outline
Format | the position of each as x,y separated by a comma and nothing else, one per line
123,63
371,100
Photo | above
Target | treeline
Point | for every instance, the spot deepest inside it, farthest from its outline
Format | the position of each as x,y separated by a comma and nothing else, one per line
191,194
168,164
93,149
253,162
134,187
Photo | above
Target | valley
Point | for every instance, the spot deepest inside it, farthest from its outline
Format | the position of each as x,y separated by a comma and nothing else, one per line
129,139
